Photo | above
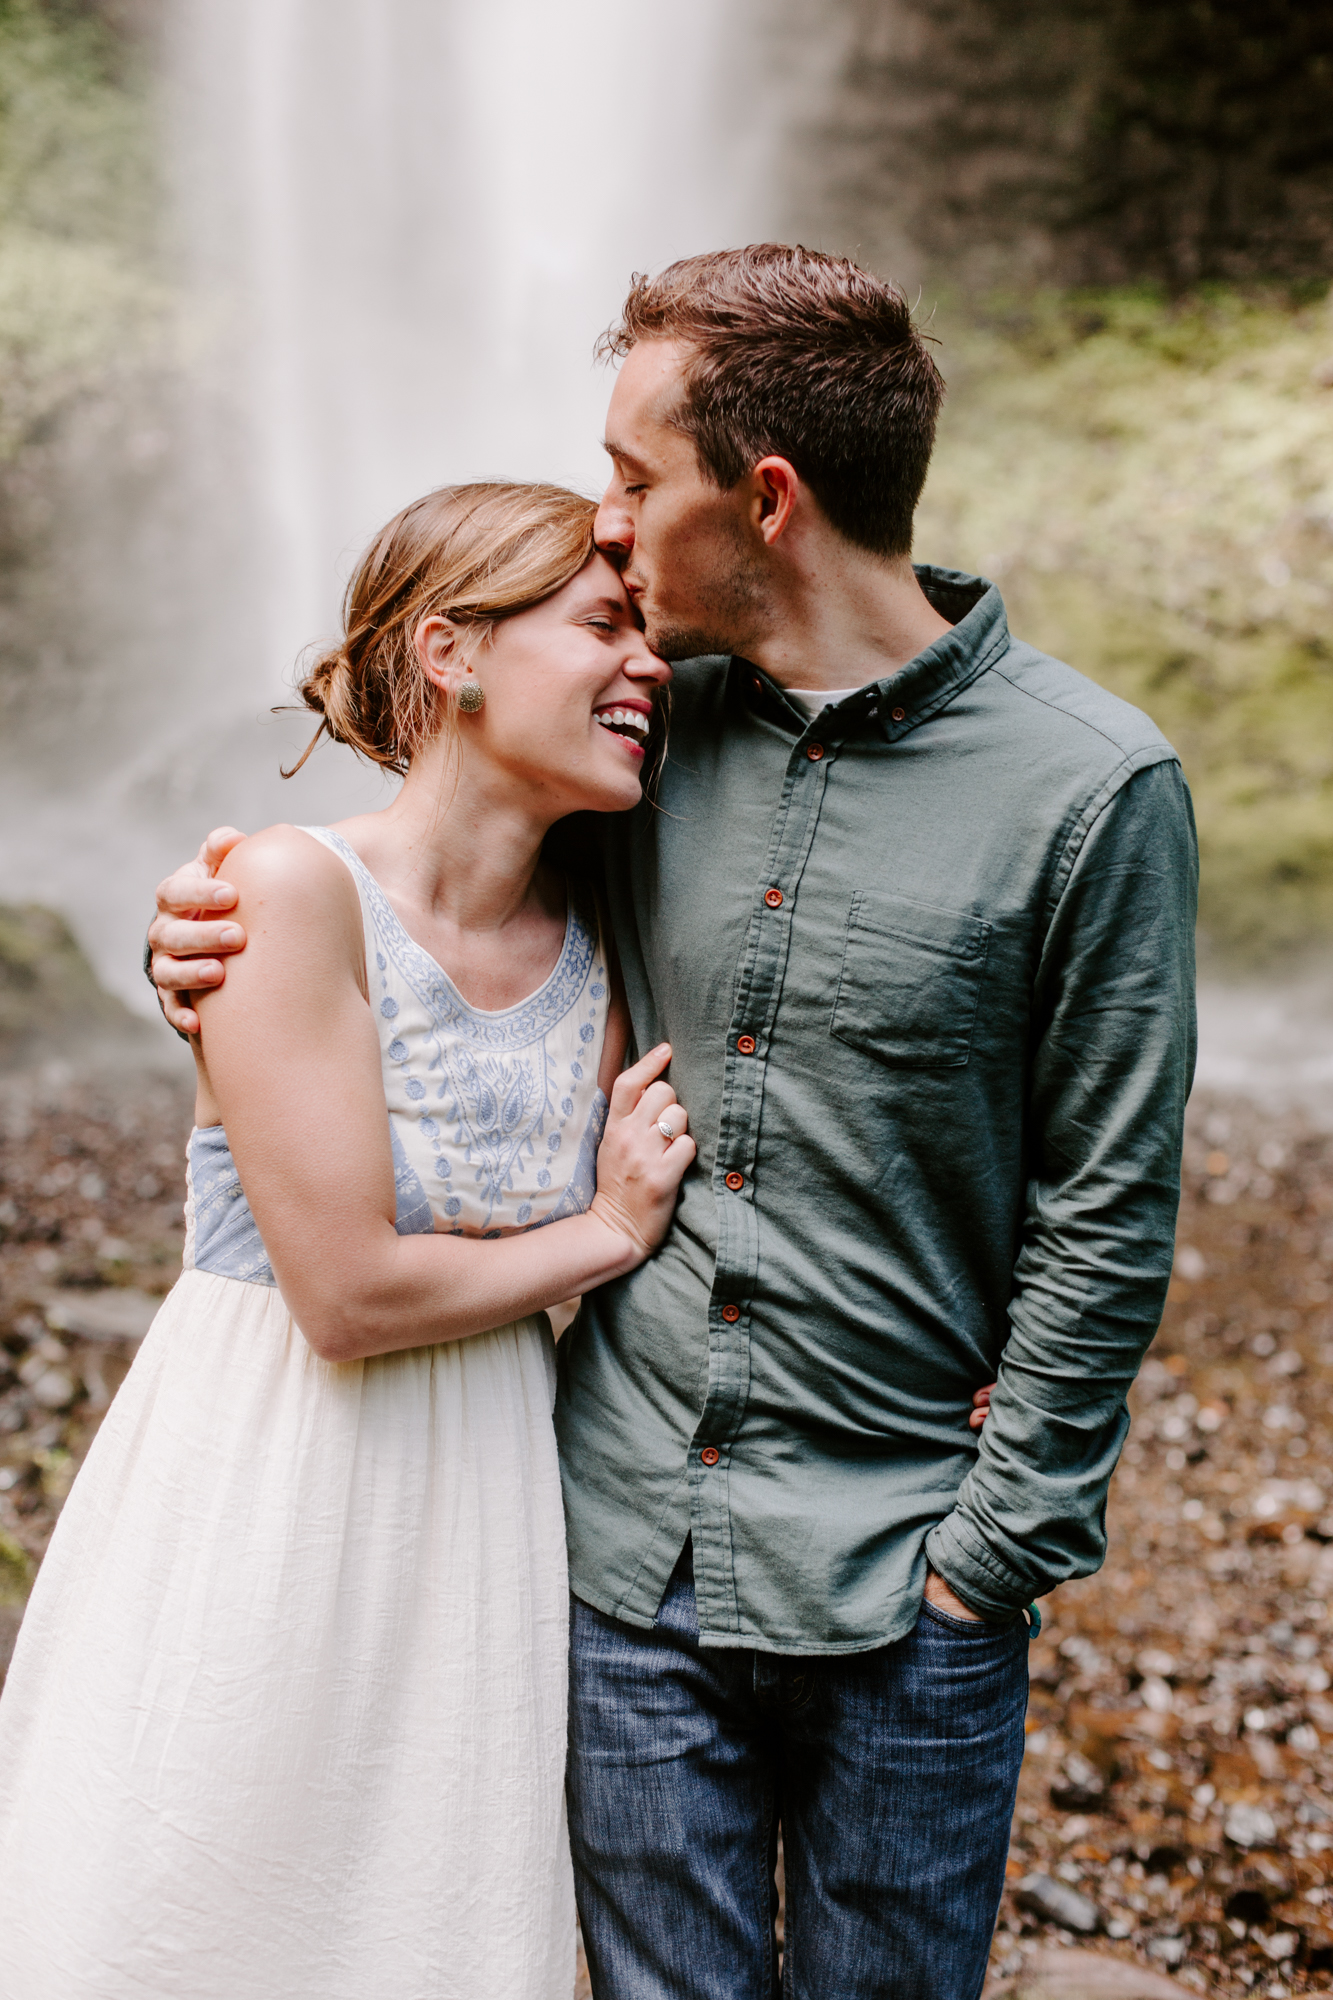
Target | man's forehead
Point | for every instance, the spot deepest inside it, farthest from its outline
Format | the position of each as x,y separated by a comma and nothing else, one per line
647,394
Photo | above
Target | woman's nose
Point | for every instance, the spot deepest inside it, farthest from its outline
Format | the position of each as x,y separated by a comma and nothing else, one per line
641,665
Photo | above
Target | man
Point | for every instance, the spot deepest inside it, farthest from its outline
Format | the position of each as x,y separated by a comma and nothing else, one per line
914,906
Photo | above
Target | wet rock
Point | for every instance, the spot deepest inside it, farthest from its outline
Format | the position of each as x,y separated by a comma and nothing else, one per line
1154,1662
1250,1826
121,1314
1247,1906
54,1389
1058,1903
1080,1787
1086,1975
1318,1948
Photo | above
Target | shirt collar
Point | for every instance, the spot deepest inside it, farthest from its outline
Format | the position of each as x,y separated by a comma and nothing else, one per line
928,683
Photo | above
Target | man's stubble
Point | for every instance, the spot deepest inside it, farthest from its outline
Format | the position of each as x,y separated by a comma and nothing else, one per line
730,610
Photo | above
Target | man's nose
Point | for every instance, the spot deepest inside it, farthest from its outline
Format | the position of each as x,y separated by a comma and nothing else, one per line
613,530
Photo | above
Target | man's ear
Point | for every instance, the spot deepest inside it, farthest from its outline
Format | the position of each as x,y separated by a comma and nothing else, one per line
436,642
774,486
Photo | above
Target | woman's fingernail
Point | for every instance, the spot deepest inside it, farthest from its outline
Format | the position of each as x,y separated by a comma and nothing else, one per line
232,934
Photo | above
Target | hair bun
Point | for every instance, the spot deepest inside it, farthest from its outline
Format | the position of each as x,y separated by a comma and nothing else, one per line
470,553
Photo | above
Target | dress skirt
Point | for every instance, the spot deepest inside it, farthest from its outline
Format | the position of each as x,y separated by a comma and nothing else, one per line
286,1720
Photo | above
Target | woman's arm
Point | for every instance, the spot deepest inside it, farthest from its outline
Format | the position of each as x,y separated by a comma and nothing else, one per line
292,1068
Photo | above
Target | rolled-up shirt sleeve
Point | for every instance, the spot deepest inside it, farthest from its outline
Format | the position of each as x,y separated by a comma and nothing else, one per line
1111,1067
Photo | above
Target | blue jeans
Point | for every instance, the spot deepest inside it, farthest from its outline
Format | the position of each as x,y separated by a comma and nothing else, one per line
892,1774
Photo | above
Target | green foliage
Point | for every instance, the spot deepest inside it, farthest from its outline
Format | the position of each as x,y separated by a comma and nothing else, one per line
1151,483
15,1570
78,199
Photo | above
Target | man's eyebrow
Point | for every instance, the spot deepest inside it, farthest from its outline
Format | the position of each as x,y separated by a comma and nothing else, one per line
619,453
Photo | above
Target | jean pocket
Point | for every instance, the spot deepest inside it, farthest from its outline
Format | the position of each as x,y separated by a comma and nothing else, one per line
911,981
971,1628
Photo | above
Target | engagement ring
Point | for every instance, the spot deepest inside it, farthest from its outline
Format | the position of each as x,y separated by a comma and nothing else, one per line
666,1130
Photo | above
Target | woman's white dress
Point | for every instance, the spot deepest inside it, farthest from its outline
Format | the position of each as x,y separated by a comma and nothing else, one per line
286,1720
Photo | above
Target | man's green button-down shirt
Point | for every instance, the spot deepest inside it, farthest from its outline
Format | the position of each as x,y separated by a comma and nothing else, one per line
926,964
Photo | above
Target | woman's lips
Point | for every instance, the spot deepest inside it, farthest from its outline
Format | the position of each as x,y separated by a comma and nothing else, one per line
634,744
628,720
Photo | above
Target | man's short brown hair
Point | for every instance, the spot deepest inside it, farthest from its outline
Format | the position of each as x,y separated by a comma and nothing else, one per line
807,357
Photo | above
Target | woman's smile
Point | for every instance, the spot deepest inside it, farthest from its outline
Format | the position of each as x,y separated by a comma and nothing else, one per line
629,719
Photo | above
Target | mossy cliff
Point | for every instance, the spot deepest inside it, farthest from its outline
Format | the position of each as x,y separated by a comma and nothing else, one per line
79,295
51,1004
1151,484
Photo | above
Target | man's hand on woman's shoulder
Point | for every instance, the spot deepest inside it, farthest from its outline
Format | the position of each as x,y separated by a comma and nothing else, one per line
189,938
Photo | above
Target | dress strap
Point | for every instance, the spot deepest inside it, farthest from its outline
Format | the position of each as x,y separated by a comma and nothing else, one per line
335,843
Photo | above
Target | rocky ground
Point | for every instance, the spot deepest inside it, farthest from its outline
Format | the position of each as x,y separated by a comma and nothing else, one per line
1177,1799
92,1177
1176,1810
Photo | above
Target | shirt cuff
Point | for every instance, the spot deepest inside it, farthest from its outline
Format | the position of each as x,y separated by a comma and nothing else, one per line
971,1568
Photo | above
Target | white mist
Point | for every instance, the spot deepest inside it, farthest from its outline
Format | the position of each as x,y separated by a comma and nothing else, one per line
403,223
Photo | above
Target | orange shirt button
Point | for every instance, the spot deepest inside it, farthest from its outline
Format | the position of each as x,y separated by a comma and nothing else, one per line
731,1314
773,897
735,1182
745,1044
900,715
710,1454
814,752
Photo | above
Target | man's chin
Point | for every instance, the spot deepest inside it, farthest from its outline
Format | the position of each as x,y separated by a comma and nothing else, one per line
682,642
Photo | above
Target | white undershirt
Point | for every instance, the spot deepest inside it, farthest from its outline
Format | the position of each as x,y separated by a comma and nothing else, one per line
813,699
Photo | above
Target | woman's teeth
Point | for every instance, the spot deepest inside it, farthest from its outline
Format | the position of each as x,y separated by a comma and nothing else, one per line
621,719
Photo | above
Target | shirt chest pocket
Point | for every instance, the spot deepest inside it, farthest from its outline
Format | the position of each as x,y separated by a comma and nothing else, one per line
911,981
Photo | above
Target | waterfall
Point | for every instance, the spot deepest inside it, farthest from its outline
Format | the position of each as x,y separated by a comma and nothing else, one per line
403,223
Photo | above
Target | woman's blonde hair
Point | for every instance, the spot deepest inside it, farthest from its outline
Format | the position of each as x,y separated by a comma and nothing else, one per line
473,554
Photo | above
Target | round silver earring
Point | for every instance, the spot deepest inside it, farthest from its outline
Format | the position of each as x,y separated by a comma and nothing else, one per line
471,697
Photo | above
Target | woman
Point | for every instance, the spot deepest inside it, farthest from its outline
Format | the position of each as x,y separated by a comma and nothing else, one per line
287,1714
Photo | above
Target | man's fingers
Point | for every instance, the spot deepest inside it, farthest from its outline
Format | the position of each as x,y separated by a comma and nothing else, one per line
182,937
218,846
178,1015
191,889
185,975
982,1396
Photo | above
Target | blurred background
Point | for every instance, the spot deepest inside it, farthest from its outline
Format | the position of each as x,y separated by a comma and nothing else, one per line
270,268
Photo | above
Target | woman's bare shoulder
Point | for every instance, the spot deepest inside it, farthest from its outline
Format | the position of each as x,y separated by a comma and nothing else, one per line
291,889
285,861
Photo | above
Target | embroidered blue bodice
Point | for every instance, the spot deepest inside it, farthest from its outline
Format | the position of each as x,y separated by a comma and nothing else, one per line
494,1117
